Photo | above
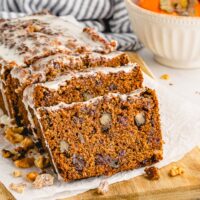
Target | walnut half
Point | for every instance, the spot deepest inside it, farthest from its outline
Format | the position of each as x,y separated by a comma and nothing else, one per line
24,163
140,119
106,121
176,171
12,136
6,153
43,180
42,162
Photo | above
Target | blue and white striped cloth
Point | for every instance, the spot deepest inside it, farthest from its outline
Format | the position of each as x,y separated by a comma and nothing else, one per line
107,16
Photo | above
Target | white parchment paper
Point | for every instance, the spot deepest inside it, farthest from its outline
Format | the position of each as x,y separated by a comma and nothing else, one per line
181,133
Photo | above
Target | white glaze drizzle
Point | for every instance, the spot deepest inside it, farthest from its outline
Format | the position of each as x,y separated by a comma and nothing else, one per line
42,65
123,97
110,56
69,31
11,55
61,80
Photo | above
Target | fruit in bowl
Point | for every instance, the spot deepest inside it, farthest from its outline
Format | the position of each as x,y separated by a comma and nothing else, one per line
171,36
173,7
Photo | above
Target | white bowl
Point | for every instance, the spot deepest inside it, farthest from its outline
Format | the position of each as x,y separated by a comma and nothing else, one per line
174,40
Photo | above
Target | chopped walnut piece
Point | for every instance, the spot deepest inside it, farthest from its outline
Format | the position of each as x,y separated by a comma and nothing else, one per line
140,119
165,77
42,162
176,171
17,173
18,154
20,187
14,138
7,153
17,129
152,173
31,176
27,143
64,146
103,187
106,121
24,163
13,135
33,153
33,28
43,180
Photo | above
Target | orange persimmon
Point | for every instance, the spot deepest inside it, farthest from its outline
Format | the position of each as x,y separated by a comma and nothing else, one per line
154,5
197,10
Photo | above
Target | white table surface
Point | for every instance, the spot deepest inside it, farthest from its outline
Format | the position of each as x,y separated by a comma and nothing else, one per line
186,82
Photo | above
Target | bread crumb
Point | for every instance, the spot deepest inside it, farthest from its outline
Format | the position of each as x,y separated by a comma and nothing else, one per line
17,173
20,187
152,173
165,77
43,180
103,187
176,171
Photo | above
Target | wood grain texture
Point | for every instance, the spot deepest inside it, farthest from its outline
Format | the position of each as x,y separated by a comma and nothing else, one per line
185,187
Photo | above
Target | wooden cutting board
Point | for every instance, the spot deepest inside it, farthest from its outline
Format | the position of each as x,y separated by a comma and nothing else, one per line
183,187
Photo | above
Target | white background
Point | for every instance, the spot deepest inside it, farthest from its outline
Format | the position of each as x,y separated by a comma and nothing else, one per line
186,82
